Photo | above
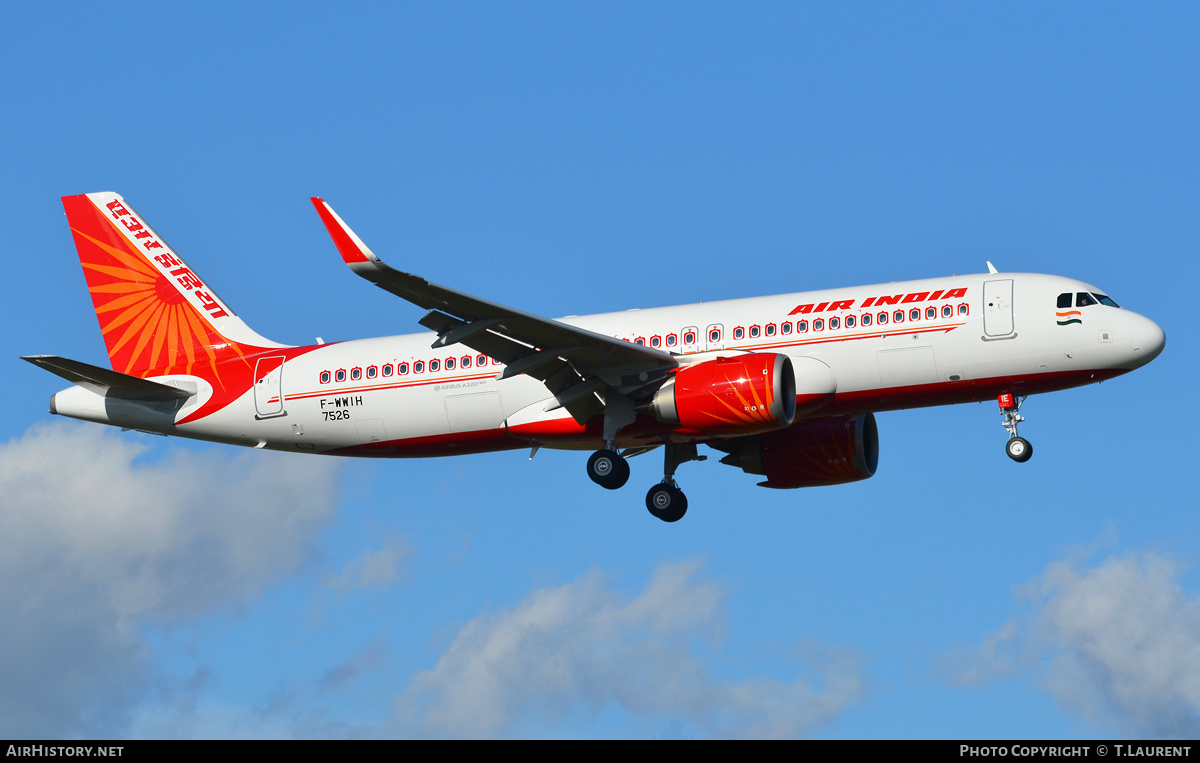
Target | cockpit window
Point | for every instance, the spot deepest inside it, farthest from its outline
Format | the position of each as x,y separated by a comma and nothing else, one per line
1064,300
1083,299
1106,300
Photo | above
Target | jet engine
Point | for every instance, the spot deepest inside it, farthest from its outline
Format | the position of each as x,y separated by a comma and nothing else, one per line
743,394
828,451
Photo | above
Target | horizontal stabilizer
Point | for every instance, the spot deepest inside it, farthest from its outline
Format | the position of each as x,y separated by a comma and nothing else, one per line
104,381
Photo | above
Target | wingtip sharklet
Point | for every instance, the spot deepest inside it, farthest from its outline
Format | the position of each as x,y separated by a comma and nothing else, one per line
348,244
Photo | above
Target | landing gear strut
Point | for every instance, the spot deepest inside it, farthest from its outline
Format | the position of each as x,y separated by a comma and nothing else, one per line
665,500
1018,448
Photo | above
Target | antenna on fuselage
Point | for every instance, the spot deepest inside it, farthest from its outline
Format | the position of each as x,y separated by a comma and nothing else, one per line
991,267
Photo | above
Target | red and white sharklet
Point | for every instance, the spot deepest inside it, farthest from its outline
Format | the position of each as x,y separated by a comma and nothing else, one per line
491,377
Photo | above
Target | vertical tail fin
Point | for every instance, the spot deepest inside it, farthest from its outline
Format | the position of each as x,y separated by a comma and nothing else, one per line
157,316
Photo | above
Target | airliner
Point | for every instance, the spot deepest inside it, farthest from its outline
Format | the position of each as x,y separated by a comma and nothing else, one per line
785,386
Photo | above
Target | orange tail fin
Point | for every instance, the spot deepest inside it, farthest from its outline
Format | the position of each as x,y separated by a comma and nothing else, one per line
157,316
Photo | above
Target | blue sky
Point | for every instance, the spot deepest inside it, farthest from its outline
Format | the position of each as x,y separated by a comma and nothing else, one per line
576,158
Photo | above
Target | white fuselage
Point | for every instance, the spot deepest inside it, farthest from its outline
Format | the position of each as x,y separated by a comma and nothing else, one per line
382,397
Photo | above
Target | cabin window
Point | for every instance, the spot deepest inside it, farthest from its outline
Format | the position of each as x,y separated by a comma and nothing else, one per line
671,340
656,341
481,360
372,372
387,369
883,318
819,324
738,333
466,361
714,335
801,326
947,311
914,314
835,322
402,369
1064,300
325,376
866,319
689,338
754,332
963,309
435,365
1083,299
641,340
770,329
496,362
419,367
898,316
849,321
449,364
355,374
340,375
786,328
930,312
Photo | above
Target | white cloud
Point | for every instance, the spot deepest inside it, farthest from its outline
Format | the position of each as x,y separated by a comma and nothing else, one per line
1118,644
583,647
94,546
375,568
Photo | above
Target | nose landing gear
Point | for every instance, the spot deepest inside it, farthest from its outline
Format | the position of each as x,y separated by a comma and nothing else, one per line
1018,448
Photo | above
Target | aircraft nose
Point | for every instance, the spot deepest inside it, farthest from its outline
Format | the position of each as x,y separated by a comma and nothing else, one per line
1146,339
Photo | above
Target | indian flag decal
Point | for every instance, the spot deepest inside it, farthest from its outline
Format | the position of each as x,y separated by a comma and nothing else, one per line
1067,317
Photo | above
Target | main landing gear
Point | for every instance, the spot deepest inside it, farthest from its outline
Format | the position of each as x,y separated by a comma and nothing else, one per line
1018,448
609,469
665,500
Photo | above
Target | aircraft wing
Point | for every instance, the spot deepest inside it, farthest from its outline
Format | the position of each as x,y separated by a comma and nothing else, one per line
578,366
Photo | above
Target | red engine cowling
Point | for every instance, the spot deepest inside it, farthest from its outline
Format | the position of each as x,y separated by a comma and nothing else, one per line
743,394
811,453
